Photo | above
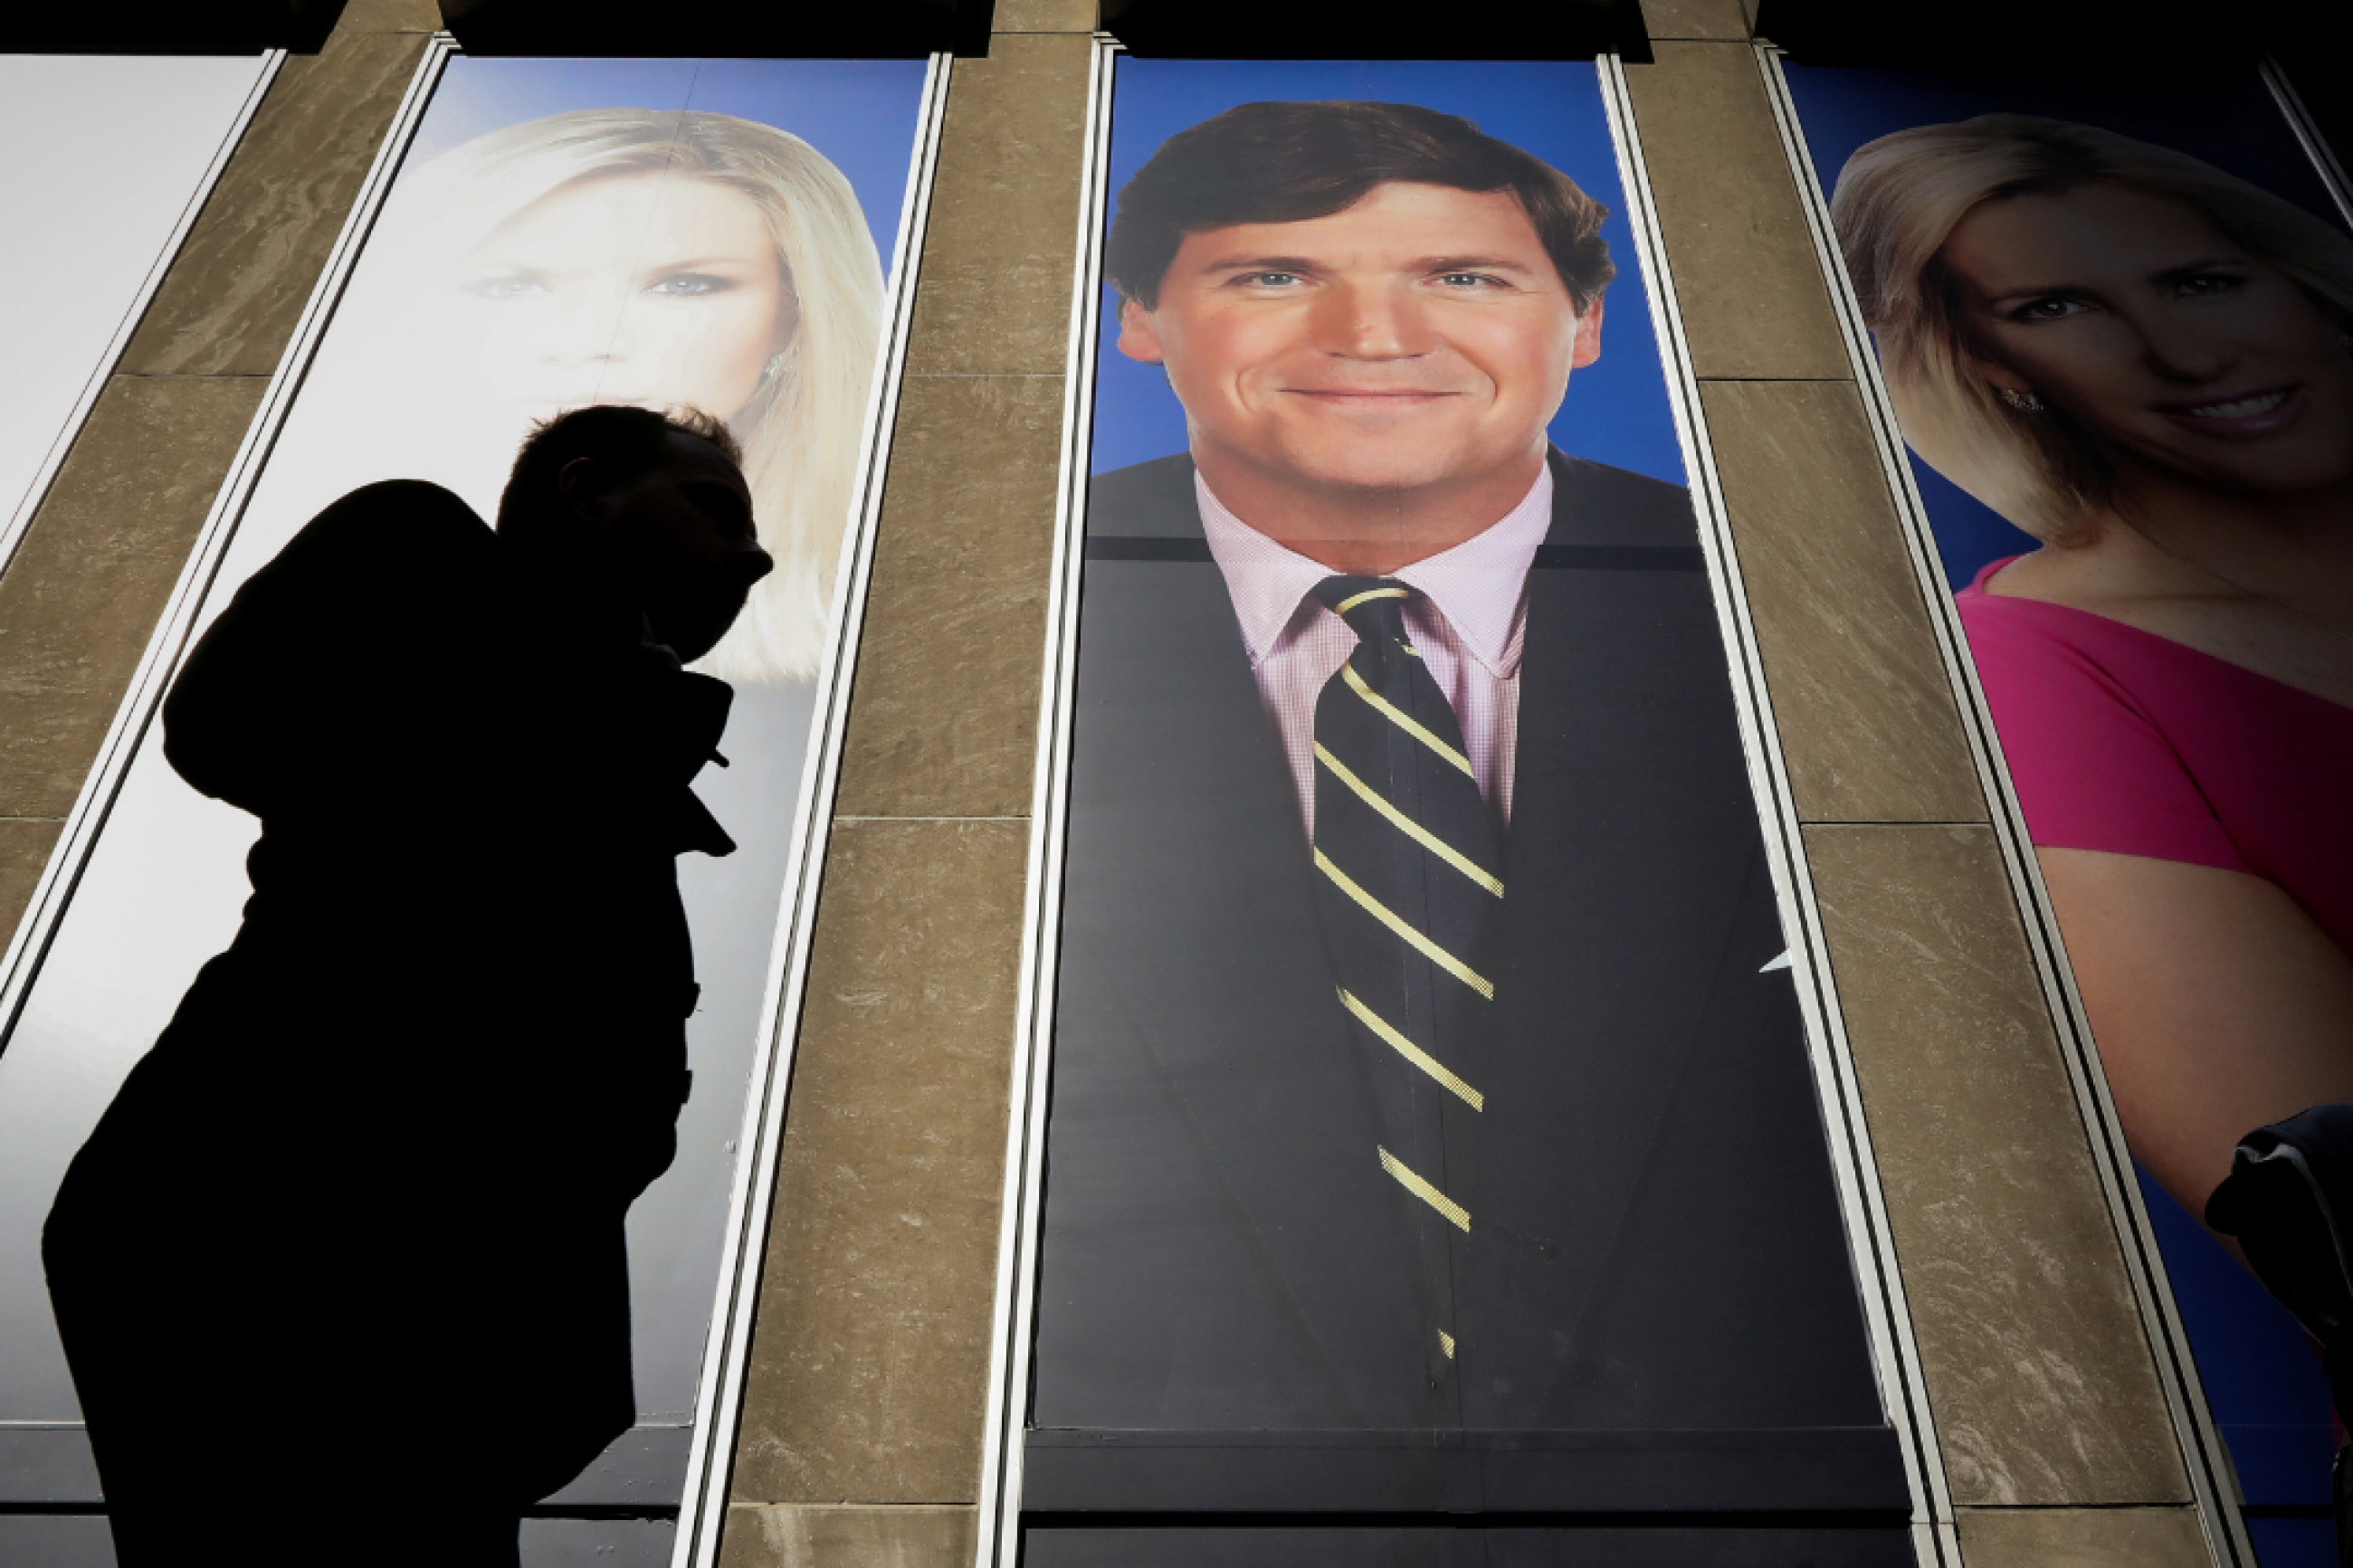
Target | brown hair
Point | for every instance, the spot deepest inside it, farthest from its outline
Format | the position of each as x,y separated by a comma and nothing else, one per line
1286,162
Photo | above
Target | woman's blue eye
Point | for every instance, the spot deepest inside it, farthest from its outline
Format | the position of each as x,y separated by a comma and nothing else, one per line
2045,309
512,287
688,285
2209,283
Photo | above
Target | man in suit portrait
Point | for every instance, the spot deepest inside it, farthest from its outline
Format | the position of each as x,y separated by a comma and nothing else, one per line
1425,1052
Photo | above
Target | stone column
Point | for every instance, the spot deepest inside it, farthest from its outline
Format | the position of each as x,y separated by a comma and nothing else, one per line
864,1414
2057,1444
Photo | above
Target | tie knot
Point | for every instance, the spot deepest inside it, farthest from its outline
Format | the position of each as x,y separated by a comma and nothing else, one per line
1374,607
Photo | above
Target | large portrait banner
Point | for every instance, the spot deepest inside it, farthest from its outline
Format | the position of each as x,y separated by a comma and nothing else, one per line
2116,332
1426,1064
708,233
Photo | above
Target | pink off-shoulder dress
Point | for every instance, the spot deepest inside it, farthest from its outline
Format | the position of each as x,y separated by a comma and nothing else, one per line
2123,741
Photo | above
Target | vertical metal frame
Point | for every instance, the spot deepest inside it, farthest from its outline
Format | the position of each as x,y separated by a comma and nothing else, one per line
2307,136
13,527
1871,1242
727,1357
1895,1355
2213,1483
998,1537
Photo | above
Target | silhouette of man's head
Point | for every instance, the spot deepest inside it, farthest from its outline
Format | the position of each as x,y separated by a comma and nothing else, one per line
653,506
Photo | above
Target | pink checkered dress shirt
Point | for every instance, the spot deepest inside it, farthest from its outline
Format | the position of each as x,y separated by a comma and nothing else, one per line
1469,623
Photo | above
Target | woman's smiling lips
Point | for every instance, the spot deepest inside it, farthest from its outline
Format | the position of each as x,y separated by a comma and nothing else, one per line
2238,414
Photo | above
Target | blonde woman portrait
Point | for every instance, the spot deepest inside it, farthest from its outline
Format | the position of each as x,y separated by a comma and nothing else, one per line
656,258
2147,363
661,258
536,254
686,267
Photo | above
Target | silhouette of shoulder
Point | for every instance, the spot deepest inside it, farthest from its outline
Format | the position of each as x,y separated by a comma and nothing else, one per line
380,597
404,530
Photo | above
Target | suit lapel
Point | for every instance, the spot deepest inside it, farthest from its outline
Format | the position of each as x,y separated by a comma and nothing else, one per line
1630,790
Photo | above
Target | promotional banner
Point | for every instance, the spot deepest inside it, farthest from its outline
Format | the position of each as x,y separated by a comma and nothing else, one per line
711,234
1432,1124
2118,331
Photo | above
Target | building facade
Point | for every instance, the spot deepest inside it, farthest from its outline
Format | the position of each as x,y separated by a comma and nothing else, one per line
881,1337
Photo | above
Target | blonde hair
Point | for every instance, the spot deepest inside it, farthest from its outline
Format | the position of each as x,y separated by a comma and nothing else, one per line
800,431
1900,198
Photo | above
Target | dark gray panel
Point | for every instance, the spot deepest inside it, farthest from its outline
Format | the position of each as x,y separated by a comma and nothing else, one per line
46,1465
1811,1470
55,1541
1355,1547
645,1467
597,1542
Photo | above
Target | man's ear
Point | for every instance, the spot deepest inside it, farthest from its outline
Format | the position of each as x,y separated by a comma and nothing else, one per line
580,484
1139,338
1589,336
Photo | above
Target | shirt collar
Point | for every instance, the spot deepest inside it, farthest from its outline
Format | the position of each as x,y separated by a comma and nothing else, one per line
1477,585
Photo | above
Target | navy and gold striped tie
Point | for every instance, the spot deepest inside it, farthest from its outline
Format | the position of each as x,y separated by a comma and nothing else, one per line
1408,871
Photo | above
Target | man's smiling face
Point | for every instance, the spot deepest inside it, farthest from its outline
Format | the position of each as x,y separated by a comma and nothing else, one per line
1418,341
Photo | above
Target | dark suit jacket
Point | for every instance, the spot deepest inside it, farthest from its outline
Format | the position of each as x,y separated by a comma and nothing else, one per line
1655,1242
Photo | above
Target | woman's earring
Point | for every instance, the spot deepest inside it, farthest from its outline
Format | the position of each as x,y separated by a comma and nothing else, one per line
768,371
2020,402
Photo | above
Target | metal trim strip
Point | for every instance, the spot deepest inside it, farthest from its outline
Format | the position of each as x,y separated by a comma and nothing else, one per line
2307,134
719,1392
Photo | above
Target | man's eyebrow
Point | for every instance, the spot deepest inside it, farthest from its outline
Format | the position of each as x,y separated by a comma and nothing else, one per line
1472,263
1420,264
1262,264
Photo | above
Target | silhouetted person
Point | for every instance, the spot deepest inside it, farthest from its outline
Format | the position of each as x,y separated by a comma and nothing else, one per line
342,1273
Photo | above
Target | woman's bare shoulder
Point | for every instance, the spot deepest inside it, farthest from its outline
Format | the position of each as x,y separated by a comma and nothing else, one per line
2081,577
2117,575
2121,577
